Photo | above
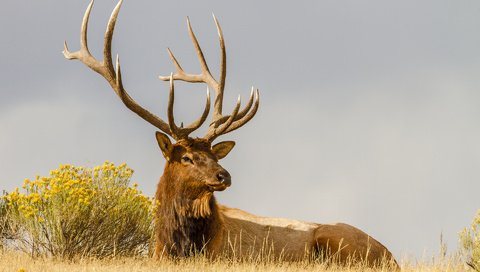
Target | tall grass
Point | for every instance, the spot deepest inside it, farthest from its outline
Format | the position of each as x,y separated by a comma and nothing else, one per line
470,238
81,212
4,230
14,261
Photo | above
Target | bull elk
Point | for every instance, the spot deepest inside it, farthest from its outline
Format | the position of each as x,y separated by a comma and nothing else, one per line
188,219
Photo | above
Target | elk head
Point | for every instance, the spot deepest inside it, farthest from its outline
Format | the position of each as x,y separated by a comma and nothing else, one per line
194,161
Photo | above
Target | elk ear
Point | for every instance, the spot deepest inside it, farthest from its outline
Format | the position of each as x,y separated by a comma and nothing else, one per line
222,149
165,145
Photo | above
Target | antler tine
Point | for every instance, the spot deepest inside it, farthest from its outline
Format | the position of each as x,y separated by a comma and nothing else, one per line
221,129
199,122
223,71
107,47
181,132
244,119
247,107
106,70
205,76
240,114
201,58
83,54
171,119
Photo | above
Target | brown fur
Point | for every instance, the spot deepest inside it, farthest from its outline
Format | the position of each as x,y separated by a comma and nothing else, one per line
190,221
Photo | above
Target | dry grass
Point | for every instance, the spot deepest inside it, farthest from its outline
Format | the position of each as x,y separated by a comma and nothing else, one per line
16,261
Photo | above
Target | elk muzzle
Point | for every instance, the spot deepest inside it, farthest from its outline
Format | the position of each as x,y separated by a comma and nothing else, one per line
221,181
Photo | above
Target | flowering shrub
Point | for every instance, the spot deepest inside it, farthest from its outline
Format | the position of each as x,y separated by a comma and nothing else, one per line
470,238
77,211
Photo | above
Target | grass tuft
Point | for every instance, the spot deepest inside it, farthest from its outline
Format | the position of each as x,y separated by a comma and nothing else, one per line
470,239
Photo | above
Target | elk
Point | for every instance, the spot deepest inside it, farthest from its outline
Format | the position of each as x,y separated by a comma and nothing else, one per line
188,218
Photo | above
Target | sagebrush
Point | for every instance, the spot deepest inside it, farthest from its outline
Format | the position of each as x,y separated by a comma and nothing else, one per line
79,212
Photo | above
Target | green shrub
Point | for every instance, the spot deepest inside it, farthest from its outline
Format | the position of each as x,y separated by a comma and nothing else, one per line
470,238
81,212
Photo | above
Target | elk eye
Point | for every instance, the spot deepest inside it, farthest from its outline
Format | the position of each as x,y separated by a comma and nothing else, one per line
187,159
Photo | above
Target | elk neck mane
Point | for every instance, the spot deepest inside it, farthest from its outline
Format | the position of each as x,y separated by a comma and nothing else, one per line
189,218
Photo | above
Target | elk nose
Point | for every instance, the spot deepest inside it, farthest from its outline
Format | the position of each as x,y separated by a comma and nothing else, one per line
224,177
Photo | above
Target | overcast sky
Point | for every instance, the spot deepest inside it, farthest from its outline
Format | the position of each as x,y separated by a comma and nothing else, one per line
369,113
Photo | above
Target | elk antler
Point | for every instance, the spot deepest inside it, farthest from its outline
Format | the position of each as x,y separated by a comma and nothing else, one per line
114,77
220,124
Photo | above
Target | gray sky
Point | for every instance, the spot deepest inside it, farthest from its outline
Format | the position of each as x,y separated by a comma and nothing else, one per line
369,110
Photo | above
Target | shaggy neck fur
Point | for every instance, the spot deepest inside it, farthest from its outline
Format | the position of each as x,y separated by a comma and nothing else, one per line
186,218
